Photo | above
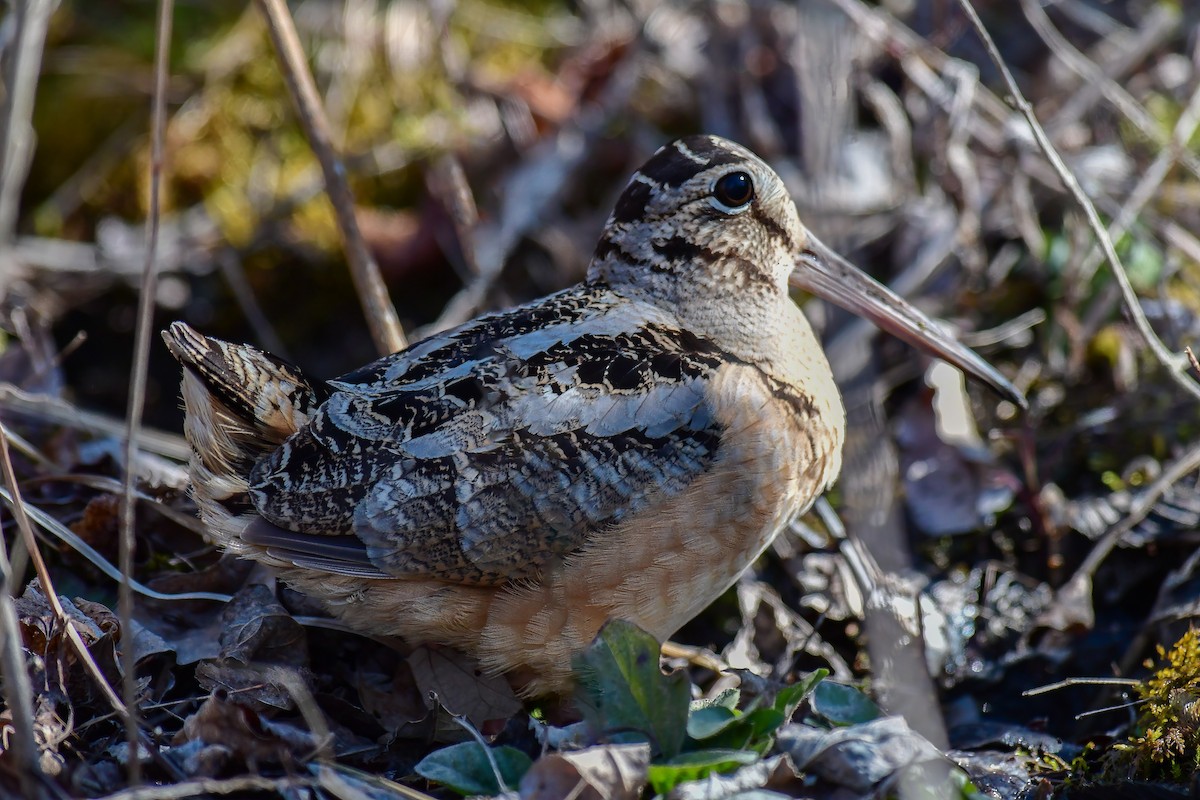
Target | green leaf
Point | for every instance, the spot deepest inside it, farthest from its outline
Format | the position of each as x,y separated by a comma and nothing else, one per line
704,723
842,704
753,728
1144,264
624,694
788,699
696,765
728,698
466,769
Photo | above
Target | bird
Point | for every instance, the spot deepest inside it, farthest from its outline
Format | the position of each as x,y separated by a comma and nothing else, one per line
622,449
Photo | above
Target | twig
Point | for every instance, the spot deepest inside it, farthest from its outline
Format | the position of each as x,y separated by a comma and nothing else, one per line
243,294
1143,192
206,786
18,692
1132,306
1187,463
302,696
43,574
343,781
696,656
464,723
13,495
60,412
137,383
381,315
449,184
31,18
1093,76
1069,682
1192,358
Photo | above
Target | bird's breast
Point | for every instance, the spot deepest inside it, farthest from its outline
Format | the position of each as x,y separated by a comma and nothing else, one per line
659,568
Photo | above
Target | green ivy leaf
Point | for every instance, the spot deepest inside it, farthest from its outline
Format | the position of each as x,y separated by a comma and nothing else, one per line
720,726
705,723
624,694
789,698
466,769
696,765
842,704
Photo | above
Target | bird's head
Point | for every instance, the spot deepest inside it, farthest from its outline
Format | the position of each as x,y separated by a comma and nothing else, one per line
705,223
703,216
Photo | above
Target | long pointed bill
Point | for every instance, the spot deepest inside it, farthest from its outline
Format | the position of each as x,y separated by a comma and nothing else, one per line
829,276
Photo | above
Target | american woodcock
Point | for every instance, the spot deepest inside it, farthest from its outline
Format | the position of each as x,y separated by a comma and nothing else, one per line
621,449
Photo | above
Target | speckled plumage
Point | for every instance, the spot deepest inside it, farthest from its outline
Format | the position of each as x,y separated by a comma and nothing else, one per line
624,448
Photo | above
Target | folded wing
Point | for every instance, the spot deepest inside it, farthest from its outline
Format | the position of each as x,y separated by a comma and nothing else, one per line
482,457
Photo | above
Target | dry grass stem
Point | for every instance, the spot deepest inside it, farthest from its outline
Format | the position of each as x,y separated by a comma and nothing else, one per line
18,692
1169,360
68,537
43,574
30,20
137,381
213,786
381,315
57,411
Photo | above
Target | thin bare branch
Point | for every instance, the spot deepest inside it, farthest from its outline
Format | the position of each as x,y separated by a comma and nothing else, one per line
62,620
1186,464
381,315
137,382
31,19
448,183
13,495
1096,80
1173,364
18,693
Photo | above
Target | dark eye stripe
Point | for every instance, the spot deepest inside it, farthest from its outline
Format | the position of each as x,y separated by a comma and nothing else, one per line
776,230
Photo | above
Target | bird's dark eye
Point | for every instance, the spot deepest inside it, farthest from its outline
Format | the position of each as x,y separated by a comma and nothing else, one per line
733,190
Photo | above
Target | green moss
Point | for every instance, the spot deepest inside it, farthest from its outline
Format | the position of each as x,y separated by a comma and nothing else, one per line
1168,746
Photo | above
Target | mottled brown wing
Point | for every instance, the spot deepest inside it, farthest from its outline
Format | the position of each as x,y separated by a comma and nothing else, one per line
488,473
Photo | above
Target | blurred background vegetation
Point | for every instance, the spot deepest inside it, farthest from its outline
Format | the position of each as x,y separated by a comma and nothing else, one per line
890,125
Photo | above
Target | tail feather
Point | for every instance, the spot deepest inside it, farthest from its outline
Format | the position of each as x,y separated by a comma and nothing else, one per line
264,393
239,403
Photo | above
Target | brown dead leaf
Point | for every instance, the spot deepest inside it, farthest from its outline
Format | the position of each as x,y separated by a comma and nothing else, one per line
100,614
389,694
38,623
243,733
255,685
258,638
193,628
607,772
461,687
257,628
227,575
100,523
193,636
